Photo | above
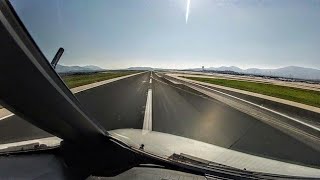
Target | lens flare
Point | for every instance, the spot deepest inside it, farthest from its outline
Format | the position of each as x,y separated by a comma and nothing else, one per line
187,11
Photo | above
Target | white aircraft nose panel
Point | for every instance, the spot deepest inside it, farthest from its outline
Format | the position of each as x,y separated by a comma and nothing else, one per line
165,145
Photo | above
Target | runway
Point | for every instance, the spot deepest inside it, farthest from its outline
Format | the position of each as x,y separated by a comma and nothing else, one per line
175,110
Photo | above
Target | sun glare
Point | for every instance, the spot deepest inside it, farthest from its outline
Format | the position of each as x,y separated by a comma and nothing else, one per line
187,11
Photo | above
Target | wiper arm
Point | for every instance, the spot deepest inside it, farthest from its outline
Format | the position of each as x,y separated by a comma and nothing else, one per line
196,161
227,170
56,58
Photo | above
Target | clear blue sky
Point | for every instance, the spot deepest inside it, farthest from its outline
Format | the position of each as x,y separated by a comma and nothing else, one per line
124,33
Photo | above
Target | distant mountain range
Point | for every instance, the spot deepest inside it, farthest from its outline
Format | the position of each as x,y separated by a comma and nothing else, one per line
288,72
73,69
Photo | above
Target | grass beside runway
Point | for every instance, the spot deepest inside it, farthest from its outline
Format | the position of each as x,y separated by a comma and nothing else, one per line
76,80
303,96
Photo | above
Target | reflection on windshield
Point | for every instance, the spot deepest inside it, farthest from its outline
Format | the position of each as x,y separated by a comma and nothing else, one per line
241,76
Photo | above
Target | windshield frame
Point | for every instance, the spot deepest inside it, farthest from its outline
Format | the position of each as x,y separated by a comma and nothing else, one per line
79,127
65,117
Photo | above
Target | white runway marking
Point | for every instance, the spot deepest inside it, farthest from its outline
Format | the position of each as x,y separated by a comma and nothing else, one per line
89,86
150,80
147,122
4,117
257,105
100,83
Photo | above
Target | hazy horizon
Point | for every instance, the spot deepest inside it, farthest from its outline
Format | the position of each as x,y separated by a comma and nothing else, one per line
120,34
187,68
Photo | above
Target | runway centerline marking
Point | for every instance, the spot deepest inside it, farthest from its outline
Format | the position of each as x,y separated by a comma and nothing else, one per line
147,122
150,80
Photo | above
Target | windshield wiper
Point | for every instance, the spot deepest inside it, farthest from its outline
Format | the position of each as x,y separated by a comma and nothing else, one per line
57,57
236,172
197,161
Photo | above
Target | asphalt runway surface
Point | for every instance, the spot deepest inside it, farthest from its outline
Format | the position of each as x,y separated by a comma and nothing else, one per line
179,111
